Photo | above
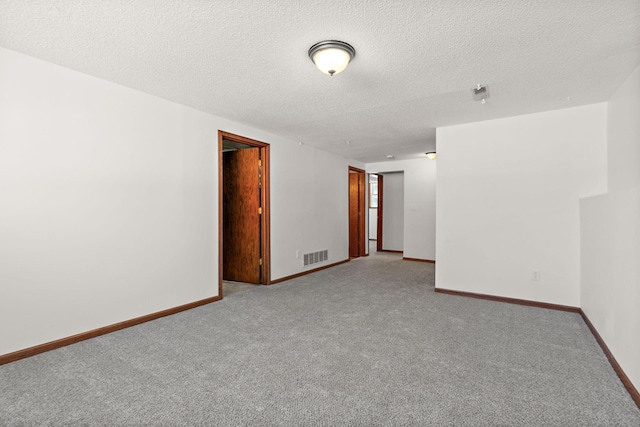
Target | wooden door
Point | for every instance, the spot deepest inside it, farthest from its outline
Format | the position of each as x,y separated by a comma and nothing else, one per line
241,216
354,223
356,213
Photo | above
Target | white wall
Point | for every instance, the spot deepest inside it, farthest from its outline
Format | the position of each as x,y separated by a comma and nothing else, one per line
309,206
610,278
373,224
610,237
108,202
507,202
419,235
623,131
393,212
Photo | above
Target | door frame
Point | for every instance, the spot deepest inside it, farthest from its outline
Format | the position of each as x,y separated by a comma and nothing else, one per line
379,230
265,218
362,202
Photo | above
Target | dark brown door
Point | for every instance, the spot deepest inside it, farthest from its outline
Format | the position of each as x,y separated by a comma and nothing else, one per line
380,213
356,213
354,238
241,216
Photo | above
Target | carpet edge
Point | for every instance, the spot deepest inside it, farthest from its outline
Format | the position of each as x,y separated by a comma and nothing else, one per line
626,382
82,336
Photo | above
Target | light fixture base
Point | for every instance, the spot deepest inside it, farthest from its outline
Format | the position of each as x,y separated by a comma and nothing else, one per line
480,93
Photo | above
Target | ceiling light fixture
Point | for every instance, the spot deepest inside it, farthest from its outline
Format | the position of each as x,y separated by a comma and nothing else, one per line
431,155
331,56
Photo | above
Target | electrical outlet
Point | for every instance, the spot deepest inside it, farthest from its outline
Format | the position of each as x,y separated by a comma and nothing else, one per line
535,275
298,254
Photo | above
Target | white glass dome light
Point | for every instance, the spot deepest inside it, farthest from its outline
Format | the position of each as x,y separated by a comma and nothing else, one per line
331,56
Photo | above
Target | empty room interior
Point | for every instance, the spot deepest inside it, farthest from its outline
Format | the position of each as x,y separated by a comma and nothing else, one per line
320,213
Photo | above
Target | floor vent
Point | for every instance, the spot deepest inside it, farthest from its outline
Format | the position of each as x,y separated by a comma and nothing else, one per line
316,257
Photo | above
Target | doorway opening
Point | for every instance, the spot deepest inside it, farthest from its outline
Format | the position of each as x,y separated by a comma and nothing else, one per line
357,197
243,213
389,212
375,212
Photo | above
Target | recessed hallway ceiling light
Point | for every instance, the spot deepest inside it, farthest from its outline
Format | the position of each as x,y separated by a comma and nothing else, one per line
331,56
389,156
431,155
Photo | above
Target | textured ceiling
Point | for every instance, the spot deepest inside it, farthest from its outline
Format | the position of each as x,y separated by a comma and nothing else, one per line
415,66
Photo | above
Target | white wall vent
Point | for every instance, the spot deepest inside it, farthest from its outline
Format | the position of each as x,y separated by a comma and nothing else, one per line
316,257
